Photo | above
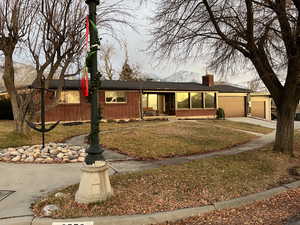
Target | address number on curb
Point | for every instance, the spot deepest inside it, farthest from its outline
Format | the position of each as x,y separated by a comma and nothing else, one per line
73,223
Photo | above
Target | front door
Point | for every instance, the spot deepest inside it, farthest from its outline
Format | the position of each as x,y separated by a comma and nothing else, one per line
170,103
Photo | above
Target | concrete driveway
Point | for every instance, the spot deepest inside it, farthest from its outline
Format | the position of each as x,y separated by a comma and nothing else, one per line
261,122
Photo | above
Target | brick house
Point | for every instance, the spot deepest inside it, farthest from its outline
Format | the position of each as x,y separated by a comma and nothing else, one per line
145,99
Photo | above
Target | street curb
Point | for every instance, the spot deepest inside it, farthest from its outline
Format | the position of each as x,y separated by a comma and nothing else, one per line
135,219
160,217
24,220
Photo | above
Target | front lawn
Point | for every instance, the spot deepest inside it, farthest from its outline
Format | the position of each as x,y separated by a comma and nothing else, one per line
239,125
193,184
8,138
173,139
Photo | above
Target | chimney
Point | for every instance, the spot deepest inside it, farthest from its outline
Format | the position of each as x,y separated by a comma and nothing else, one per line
208,80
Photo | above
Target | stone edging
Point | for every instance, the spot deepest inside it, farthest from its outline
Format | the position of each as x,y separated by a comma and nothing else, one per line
157,217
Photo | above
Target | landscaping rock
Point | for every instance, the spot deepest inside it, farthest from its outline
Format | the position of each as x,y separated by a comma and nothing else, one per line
49,209
16,159
51,153
60,195
60,155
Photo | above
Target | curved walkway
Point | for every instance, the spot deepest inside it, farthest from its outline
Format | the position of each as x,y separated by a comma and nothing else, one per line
30,181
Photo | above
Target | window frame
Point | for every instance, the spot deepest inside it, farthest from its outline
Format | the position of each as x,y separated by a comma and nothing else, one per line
66,103
125,95
189,101
204,100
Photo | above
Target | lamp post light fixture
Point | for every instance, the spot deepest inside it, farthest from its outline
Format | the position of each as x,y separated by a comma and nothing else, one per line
94,184
94,151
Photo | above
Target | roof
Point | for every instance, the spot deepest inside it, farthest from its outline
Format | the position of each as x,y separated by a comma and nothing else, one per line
145,85
261,93
224,88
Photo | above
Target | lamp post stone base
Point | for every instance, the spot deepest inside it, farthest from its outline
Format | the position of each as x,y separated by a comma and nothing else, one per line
94,185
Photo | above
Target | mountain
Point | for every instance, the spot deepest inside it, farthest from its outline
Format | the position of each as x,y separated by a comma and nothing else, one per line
150,76
24,74
184,76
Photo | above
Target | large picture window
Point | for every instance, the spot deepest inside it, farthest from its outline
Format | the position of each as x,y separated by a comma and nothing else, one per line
183,100
210,100
196,100
115,97
69,97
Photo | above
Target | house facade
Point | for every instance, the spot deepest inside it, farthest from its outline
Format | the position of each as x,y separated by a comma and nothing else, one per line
148,99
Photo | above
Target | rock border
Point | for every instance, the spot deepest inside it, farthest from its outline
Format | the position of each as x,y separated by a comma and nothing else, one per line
53,153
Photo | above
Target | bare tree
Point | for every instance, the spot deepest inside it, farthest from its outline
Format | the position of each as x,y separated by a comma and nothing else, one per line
254,84
16,16
263,33
129,72
106,53
56,40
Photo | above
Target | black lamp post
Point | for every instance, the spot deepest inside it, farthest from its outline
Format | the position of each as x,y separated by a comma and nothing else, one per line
94,151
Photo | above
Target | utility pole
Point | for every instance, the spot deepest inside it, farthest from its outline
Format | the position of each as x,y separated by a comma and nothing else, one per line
94,151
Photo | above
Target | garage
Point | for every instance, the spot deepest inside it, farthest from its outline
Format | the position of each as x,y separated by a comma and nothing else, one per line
234,106
258,109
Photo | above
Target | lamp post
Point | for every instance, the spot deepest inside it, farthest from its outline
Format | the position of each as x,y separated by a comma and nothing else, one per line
94,184
94,151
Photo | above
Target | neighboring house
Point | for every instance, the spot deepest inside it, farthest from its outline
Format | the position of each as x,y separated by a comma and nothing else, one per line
261,104
143,99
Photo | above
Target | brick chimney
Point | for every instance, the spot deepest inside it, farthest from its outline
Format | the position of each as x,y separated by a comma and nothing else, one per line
208,80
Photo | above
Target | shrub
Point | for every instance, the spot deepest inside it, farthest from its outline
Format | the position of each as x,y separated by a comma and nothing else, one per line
220,114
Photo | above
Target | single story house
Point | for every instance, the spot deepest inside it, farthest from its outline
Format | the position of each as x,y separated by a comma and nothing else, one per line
144,99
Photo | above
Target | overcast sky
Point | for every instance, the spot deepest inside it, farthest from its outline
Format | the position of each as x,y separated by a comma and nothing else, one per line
138,42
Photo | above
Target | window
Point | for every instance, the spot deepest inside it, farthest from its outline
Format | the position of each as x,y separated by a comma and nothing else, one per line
152,101
145,100
69,97
183,100
210,100
115,97
197,100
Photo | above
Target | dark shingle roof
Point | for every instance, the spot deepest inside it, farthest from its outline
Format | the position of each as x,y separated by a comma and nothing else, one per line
144,85
230,89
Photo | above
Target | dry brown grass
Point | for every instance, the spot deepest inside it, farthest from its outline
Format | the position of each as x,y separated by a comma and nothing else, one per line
173,139
238,125
277,210
197,183
8,138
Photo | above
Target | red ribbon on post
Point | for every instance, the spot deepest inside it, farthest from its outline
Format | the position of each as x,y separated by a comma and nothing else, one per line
87,27
85,77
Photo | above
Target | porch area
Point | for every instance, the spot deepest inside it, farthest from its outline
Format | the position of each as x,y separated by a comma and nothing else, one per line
158,105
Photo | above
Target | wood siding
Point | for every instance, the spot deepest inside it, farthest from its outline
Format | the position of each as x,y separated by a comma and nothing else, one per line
128,110
82,111
67,112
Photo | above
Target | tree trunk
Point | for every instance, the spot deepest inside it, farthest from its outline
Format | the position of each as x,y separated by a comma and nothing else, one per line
8,78
284,141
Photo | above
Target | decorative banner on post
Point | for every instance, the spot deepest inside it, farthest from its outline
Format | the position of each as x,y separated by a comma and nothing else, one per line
85,83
